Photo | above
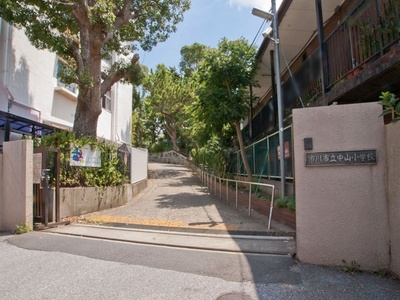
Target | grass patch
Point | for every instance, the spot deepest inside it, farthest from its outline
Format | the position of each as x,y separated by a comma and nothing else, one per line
21,229
353,267
286,202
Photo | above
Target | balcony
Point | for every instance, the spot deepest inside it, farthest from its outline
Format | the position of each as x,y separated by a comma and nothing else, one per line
363,53
68,90
361,58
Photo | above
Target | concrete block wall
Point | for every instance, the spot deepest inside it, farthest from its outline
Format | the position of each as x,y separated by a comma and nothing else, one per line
17,195
1,191
341,211
83,200
393,176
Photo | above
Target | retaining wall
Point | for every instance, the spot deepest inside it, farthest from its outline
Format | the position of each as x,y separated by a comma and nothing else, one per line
170,157
79,201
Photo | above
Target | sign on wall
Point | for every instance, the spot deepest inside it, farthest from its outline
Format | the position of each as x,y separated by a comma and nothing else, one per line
85,156
359,157
286,145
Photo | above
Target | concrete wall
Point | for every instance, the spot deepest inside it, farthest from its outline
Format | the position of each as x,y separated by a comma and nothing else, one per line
78,201
17,208
123,113
1,192
139,163
393,154
341,211
169,157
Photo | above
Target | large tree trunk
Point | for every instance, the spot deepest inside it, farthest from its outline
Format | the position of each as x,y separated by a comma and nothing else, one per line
88,108
86,115
170,128
171,131
243,151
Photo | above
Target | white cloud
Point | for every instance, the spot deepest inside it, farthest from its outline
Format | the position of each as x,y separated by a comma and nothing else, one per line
263,4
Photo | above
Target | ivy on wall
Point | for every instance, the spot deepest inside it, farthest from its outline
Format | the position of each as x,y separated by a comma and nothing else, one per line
109,174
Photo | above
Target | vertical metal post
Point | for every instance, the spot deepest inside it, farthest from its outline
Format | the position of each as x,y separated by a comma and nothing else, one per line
271,208
215,185
322,46
378,14
236,195
227,194
279,95
250,200
254,158
220,188
7,129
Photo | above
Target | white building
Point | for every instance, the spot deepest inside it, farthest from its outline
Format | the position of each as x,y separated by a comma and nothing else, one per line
29,88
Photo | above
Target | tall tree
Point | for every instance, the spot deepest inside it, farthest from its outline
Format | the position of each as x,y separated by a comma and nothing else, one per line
169,94
225,74
191,56
83,32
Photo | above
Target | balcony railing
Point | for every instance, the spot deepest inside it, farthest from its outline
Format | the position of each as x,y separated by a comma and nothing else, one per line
73,87
371,28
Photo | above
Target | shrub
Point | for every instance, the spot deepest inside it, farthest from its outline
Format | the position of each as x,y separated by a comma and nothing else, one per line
109,174
287,202
22,228
391,105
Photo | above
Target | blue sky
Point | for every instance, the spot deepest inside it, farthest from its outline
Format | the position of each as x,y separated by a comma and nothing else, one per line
207,22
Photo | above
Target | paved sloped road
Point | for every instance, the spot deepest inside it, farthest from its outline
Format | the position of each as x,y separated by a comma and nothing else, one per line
175,198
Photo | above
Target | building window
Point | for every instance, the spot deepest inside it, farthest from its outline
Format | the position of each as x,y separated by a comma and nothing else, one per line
73,87
106,101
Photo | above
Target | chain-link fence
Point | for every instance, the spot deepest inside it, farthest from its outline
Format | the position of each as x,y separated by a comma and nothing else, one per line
263,157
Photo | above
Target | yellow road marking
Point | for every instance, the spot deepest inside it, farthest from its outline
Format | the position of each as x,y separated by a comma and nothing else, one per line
155,222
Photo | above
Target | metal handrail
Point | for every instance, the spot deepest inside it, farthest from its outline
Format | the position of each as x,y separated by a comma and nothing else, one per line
210,181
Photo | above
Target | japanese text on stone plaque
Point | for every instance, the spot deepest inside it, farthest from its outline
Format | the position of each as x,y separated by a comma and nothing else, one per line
359,157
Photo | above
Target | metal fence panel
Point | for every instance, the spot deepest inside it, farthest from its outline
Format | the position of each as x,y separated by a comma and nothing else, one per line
263,156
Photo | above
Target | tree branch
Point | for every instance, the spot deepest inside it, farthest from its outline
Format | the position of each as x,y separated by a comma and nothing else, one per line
228,88
117,74
80,13
124,15
76,53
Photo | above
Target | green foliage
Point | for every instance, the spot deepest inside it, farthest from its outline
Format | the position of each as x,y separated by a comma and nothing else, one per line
287,202
213,155
191,56
162,145
168,95
391,105
82,33
109,174
225,74
22,228
353,267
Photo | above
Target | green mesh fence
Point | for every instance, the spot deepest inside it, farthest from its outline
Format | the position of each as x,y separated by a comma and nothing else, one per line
263,156
249,154
273,155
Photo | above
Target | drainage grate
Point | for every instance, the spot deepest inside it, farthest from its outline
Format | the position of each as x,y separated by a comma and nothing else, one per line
234,296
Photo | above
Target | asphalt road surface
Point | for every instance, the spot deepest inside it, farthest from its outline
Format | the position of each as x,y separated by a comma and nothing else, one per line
55,265
40,265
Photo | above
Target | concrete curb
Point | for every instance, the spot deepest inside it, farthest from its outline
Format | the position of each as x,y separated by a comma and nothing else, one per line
276,245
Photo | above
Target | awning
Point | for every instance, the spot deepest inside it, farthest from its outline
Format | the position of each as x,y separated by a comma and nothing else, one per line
12,123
